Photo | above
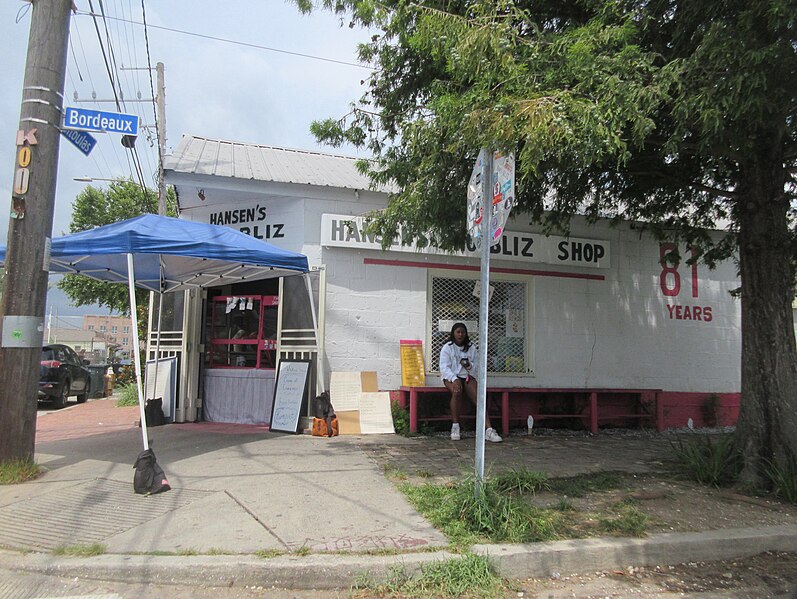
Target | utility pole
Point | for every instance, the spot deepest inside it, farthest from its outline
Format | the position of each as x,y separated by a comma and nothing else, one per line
160,98
30,226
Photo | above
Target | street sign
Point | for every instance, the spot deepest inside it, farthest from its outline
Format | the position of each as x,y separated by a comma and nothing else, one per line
96,120
502,184
83,141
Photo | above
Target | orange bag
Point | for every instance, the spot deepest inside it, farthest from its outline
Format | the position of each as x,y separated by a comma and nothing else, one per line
320,428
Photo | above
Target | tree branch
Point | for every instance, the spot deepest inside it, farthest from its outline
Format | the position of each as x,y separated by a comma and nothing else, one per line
723,193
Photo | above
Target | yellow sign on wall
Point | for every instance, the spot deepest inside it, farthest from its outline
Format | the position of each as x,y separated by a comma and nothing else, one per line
413,373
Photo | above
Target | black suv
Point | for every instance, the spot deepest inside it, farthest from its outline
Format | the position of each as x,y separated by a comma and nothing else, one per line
62,373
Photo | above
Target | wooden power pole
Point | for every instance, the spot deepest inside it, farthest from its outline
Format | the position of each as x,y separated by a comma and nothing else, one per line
30,226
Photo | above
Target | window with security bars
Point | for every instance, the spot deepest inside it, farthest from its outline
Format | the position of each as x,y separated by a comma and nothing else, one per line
453,301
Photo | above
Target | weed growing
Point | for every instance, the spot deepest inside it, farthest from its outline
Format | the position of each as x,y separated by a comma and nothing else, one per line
579,486
784,480
470,576
466,518
128,396
708,462
80,550
629,522
13,472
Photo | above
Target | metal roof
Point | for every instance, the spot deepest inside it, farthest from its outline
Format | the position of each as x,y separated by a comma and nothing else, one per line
248,161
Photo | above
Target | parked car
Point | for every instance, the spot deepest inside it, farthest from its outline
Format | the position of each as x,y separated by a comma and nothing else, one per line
62,373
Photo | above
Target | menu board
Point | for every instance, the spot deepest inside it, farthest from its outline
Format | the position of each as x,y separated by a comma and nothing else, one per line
289,392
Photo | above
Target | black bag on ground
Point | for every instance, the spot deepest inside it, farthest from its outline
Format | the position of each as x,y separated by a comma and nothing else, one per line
324,411
153,412
149,477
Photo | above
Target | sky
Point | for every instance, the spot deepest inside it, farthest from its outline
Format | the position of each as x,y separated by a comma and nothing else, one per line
232,91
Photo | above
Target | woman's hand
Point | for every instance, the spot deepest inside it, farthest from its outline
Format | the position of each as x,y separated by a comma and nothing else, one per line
456,386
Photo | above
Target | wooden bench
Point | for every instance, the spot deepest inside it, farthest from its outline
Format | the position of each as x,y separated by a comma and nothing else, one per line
411,396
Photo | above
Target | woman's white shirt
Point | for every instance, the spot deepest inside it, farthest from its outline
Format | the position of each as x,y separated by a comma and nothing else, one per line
450,356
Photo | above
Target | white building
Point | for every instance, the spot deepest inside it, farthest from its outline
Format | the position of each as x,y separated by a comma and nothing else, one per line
595,311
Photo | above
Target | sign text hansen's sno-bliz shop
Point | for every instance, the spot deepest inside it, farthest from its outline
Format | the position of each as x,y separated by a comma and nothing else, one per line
338,230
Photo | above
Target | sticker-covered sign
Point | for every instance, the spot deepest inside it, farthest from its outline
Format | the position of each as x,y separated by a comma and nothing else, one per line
502,196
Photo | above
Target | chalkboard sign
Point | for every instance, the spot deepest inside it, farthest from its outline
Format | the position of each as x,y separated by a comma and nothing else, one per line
289,392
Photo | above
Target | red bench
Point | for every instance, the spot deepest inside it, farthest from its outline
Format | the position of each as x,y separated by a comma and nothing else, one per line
641,398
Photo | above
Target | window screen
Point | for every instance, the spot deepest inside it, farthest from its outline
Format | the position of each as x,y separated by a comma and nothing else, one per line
453,301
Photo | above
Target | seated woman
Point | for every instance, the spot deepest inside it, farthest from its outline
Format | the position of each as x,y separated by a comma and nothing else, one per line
457,357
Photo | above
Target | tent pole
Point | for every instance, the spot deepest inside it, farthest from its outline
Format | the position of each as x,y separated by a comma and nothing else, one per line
321,382
157,348
131,277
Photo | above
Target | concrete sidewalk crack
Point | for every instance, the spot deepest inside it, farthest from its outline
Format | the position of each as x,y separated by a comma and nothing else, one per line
258,520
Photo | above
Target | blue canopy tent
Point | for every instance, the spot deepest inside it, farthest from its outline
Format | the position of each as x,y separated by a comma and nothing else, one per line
162,254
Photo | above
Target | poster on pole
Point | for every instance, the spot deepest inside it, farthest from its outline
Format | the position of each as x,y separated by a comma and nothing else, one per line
502,184
289,392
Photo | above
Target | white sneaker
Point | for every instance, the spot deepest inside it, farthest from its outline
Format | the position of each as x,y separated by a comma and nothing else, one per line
455,432
491,435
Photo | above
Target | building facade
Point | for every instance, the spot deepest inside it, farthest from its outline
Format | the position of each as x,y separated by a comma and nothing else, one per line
598,309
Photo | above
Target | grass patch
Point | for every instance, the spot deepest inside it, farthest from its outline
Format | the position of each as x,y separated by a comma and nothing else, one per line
784,480
706,461
493,515
270,553
580,486
13,472
80,550
128,396
520,481
629,522
469,576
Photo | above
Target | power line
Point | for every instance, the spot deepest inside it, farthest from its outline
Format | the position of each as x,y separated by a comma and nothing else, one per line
239,43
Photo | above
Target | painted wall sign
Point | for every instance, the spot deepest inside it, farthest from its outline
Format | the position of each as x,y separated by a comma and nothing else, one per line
670,284
279,223
96,120
339,230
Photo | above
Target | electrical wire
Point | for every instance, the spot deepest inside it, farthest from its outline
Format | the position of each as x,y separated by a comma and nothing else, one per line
239,43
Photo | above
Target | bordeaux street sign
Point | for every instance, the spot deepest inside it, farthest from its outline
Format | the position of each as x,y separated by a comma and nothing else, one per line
96,120
83,141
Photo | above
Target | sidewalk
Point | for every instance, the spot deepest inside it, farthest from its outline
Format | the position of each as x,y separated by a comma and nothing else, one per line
238,490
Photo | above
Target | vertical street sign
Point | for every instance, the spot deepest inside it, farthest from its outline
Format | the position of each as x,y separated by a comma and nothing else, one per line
501,193
490,197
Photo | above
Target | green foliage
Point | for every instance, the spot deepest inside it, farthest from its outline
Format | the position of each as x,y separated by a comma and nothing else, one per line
638,109
708,462
494,515
401,419
93,207
520,481
13,472
127,375
629,522
579,486
784,480
80,550
467,576
128,396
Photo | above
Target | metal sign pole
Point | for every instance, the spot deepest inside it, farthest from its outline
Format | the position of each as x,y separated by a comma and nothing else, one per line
484,309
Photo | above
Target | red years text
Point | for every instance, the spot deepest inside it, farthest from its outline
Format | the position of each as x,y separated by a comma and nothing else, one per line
670,284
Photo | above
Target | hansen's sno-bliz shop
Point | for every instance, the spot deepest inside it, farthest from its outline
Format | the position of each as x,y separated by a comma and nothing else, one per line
587,331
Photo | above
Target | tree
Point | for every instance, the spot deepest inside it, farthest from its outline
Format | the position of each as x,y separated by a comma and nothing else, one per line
680,115
94,207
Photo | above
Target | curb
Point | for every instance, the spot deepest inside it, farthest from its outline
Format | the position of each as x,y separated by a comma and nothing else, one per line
336,571
319,571
581,556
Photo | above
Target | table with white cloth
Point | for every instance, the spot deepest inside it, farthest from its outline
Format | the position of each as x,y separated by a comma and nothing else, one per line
241,396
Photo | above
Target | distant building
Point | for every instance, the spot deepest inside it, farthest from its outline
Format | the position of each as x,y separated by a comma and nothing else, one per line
117,330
